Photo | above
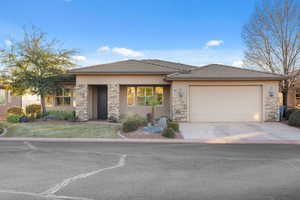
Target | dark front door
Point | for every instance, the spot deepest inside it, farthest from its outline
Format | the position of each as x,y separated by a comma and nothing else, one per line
102,102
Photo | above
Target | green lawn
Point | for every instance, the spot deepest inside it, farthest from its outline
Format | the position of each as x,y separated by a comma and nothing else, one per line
63,129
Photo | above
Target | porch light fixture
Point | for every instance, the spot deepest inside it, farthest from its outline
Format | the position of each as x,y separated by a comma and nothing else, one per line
271,92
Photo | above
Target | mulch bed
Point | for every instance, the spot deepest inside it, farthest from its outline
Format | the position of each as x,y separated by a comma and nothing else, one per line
140,133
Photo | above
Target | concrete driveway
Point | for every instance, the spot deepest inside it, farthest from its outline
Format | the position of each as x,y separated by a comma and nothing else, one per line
237,132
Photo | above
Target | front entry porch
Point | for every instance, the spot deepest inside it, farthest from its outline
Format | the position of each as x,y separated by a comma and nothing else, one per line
97,102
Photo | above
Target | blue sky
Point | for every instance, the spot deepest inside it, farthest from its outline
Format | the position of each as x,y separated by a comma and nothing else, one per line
195,32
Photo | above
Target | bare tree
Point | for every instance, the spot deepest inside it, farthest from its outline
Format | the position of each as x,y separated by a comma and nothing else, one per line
272,39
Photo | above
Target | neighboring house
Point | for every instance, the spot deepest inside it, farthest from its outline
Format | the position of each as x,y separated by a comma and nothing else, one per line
186,93
294,95
7,100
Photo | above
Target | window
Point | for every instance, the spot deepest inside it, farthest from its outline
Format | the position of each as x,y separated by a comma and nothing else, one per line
2,96
142,95
63,97
130,96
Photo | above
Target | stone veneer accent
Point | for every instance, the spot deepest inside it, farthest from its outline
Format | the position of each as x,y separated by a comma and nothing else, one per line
81,96
113,101
179,104
271,108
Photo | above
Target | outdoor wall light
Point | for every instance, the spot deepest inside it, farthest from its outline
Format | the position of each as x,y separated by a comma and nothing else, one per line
271,92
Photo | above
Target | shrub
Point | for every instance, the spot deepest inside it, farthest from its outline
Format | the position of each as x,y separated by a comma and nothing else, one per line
289,112
61,115
169,133
294,118
15,111
130,125
133,122
12,118
33,110
174,125
141,121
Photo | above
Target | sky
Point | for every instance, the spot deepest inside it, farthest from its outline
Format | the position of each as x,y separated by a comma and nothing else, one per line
195,32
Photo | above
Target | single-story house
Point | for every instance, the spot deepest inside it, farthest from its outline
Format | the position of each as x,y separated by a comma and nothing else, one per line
212,93
186,93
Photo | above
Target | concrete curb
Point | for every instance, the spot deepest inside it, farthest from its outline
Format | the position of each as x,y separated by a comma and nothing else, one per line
127,140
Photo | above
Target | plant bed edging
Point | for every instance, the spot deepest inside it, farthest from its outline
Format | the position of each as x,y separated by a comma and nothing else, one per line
4,131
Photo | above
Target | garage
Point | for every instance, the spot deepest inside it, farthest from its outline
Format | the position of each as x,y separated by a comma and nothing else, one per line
221,103
220,93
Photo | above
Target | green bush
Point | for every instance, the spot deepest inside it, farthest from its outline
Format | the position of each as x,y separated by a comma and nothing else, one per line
141,121
15,111
62,114
294,118
169,133
130,125
12,118
174,125
289,112
33,110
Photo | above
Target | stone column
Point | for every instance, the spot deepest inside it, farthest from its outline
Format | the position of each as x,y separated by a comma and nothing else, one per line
179,104
271,108
81,99
113,101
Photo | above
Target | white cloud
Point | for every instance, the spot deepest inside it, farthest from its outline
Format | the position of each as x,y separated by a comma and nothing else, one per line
212,43
238,63
104,49
7,43
127,52
79,58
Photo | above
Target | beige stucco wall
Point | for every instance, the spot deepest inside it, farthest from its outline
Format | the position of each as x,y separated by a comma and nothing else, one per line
120,79
163,110
180,105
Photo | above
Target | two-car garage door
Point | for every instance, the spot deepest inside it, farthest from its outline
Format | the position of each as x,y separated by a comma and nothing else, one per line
225,103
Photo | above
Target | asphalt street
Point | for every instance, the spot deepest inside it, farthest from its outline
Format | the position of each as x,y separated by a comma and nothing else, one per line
129,171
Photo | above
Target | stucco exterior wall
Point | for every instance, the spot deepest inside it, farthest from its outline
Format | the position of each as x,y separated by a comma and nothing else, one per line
180,97
163,110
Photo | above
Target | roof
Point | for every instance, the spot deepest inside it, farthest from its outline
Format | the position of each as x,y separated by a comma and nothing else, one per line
223,72
147,66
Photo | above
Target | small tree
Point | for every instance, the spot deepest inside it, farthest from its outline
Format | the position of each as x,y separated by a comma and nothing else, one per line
272,39
153,102
34,65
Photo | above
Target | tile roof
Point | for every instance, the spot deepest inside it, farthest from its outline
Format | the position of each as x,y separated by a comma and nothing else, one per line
147,66
223,72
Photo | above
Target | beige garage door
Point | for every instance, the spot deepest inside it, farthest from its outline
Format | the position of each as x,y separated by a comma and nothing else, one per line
225,103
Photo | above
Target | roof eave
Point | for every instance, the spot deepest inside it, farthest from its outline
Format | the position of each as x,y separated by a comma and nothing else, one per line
119,73
228,79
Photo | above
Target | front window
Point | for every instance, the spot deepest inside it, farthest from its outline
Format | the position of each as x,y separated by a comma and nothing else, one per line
2,96
142,95
61,97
